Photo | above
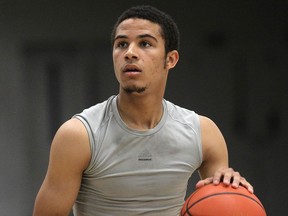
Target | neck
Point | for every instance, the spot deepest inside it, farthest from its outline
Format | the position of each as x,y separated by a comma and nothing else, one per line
140,112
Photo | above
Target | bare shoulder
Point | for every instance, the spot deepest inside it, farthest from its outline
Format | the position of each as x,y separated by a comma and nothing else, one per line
212,138
214,148
209,128
71,142
206,123
73,126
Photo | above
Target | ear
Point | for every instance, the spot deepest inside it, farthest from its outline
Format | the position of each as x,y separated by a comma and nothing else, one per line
172,59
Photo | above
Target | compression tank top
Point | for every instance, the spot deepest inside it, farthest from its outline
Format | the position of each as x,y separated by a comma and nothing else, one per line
135,172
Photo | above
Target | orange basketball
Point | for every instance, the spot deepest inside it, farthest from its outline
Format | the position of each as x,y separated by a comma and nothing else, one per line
222,200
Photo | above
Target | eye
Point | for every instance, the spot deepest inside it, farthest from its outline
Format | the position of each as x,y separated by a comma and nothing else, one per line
145,44
121,44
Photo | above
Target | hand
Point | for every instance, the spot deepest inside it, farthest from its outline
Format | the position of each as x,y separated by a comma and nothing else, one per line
227,176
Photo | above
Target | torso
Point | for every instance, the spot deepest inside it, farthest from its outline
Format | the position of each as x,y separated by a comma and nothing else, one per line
138,172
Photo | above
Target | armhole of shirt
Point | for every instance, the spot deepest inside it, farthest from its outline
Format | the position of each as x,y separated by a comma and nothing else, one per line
91,139
194,123
199,137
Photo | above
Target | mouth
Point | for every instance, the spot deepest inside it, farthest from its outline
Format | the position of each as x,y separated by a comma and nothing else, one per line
131,69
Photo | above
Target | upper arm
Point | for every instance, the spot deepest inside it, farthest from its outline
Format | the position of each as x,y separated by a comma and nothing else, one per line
69,156
215,155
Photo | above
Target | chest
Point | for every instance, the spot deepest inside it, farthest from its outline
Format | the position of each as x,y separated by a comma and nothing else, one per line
156,165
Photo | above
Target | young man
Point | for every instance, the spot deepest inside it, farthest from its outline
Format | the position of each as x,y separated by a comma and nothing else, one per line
134,153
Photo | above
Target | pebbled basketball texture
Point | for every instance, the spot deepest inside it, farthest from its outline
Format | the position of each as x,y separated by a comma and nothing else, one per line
222,200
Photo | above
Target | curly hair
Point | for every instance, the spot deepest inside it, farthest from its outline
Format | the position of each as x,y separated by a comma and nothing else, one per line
169,29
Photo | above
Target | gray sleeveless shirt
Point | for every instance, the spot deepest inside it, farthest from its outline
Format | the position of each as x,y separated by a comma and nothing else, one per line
135,172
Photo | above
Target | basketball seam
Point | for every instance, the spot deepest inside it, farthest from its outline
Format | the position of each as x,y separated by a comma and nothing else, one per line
216,194
187,208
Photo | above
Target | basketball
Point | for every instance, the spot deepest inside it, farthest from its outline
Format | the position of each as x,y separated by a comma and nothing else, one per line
222,200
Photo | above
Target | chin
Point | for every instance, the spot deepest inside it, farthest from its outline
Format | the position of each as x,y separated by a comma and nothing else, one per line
134,89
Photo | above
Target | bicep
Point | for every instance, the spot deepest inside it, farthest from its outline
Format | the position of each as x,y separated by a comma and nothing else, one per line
215,154
69,156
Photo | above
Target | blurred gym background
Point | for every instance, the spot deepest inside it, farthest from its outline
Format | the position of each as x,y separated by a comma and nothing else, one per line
55,60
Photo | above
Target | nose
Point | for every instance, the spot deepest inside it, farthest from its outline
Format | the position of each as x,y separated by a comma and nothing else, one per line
131,52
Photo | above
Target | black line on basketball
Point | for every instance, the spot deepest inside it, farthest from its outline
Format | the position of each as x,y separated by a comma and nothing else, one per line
187,208
217,194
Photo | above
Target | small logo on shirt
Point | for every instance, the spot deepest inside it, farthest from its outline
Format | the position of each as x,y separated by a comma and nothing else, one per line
145,155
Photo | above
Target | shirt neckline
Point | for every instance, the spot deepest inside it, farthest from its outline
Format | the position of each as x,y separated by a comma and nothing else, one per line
147,132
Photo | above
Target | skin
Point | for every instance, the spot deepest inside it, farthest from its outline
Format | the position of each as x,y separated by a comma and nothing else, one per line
141,68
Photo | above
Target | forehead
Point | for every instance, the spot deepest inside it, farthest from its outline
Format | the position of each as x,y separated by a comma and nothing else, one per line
136,26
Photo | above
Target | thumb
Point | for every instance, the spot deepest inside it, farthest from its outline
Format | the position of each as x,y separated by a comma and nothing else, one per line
203,182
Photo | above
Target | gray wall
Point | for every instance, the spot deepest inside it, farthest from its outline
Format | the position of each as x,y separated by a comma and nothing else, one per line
55,60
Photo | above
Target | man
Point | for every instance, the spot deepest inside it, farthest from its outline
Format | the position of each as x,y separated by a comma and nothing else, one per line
134,153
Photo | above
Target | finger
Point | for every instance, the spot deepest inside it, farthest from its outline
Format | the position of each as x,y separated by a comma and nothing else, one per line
203,182
225,174
247,185
227,178
218,177
236,178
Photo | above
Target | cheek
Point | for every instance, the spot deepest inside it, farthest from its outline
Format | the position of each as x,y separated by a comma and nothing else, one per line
114,58
116,68
116,55
116,61
159,60
157,65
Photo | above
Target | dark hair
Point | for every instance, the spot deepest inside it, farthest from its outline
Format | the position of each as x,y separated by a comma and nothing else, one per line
169,29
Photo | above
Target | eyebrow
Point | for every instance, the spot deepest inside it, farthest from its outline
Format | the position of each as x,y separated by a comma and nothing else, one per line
139,36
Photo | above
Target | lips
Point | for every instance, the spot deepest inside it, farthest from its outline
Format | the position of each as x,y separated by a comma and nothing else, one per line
131,69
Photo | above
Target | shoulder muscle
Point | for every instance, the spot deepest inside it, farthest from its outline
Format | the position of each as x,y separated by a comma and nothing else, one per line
71,145
215,153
